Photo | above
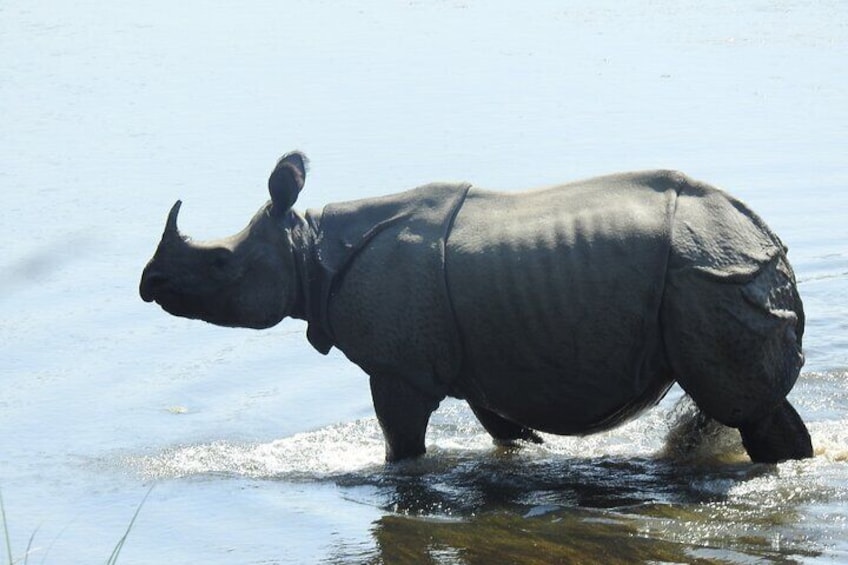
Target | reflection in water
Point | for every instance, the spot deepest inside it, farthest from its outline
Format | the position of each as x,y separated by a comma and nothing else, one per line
589,511
576,536
600,510
692,497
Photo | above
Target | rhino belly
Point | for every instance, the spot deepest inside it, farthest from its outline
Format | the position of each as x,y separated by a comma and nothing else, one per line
571,380
558,402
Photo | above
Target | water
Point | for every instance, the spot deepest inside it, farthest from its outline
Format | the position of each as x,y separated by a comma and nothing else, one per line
262,451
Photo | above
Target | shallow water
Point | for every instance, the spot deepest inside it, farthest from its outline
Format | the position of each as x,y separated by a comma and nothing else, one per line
262,451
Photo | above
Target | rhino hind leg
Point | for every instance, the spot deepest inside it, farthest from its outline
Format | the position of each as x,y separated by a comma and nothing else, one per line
504,432
779,436
735,348
403,413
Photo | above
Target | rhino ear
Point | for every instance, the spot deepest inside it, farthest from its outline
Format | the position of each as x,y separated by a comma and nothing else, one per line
286,181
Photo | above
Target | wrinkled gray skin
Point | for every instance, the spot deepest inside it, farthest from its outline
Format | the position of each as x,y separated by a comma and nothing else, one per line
566,310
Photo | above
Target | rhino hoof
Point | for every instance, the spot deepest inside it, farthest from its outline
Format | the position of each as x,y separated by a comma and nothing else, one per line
780,436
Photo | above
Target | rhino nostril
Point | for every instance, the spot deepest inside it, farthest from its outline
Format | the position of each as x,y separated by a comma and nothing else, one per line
150,282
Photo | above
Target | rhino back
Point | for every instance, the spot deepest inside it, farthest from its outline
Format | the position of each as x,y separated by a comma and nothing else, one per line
557,296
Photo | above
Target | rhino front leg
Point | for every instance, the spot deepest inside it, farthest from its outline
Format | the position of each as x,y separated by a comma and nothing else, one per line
403,413
503,431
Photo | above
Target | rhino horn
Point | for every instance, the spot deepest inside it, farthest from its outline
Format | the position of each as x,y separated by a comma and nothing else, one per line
171,228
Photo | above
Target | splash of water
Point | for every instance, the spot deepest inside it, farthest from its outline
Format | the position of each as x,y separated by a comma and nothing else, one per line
675,431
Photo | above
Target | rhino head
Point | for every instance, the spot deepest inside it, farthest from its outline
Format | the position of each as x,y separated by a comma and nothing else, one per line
249,279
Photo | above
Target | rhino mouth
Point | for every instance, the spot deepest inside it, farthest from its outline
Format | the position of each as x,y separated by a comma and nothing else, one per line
196,308
169,301
156,288
150,285
183,306
213,308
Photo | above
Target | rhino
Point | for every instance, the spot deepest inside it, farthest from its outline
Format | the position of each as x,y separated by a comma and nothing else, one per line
564,310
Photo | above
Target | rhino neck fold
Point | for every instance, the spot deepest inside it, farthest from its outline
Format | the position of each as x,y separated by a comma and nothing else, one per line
310,279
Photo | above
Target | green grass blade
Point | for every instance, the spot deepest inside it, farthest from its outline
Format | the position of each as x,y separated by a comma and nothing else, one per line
29,547
117,551
52,543
5,529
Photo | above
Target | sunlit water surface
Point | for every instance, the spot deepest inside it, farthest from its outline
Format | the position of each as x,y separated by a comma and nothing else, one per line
258,449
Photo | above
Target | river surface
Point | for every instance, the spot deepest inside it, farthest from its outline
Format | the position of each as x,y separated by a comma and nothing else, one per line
260,450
